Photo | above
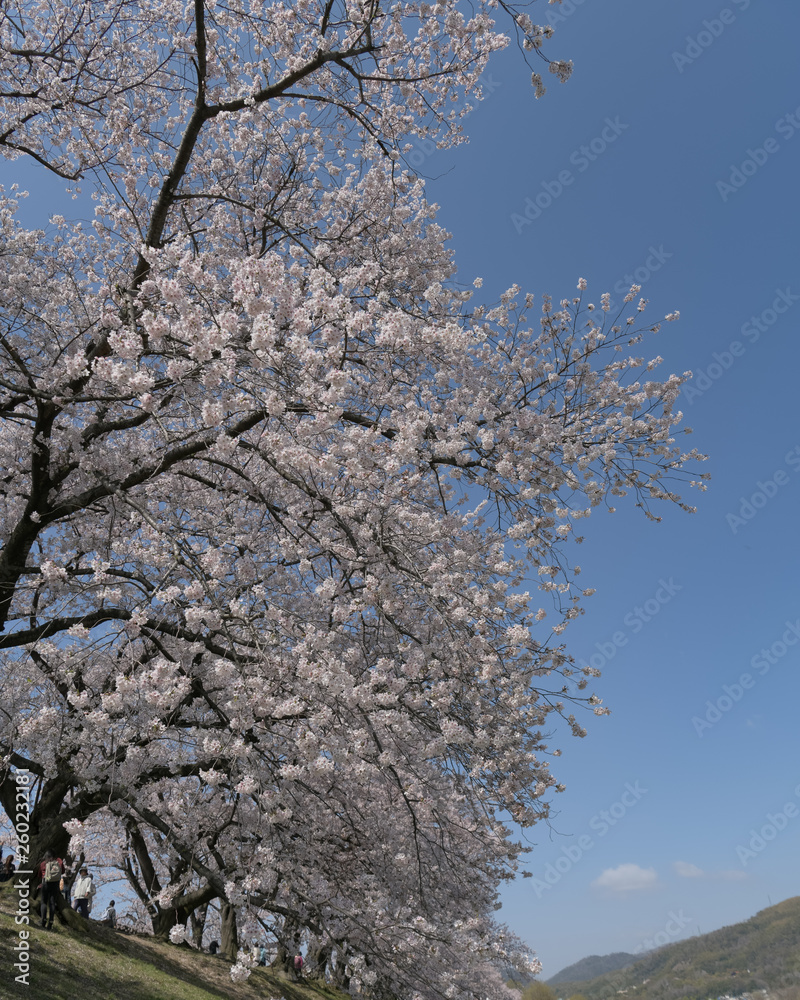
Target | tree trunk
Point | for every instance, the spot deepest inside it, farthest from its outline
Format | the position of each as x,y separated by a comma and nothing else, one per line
164,921
198,919
283,958
340,977
316,960
182,910
229,946
288,943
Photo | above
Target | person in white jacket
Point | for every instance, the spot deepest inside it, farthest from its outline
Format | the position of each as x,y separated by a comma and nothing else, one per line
82,892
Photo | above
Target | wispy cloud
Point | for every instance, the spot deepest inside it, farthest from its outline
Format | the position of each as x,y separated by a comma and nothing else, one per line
687,870
626,878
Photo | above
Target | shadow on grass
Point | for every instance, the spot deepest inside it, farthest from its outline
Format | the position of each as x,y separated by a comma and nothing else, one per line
96,963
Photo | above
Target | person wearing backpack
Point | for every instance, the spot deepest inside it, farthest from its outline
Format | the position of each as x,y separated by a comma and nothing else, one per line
50,871
298,966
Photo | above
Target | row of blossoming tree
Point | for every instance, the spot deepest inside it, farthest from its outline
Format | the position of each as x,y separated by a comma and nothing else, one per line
272,482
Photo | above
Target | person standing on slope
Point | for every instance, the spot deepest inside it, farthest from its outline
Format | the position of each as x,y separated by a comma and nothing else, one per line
50,871
82,892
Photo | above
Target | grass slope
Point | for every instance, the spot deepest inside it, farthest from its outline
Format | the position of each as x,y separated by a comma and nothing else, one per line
759,954
101,964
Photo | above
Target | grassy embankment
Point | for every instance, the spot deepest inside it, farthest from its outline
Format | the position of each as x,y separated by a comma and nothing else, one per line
101,964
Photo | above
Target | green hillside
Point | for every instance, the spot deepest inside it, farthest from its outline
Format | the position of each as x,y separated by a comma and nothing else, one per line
762,953
101,964
592,967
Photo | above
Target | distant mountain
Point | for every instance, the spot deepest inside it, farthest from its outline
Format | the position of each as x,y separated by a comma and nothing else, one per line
760,954
593,966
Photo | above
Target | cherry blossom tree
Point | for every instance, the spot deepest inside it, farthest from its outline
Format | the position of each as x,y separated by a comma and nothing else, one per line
275,482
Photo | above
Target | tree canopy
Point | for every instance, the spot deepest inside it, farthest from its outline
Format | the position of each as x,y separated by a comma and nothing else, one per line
274,482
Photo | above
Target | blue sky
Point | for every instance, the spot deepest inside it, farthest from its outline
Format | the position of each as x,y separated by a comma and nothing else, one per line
653,838
676,96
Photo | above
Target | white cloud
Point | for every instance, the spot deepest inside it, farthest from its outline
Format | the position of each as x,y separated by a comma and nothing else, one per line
686,870
626,878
